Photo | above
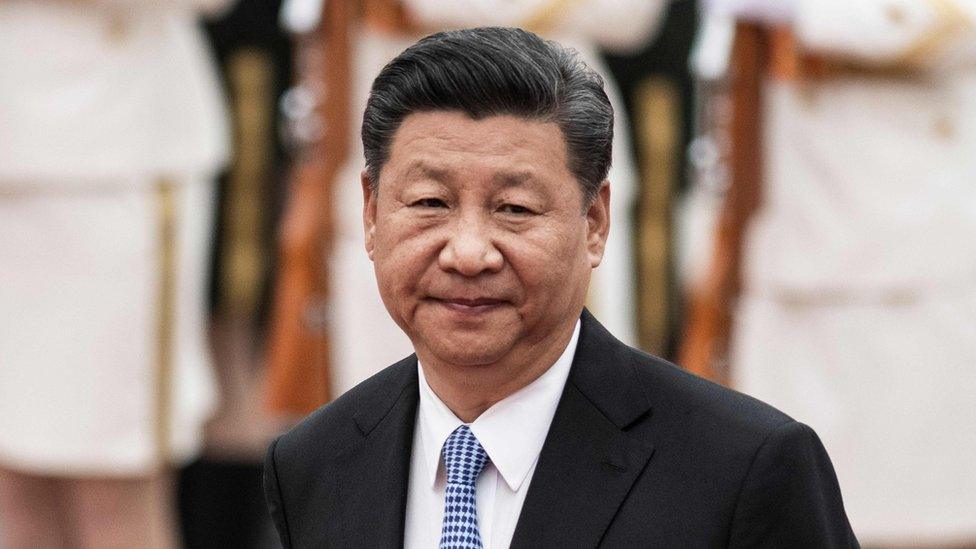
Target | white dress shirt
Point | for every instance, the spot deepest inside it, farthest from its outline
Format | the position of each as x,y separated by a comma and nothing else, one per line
512,432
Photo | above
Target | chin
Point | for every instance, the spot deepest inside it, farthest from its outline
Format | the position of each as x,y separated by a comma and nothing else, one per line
468,353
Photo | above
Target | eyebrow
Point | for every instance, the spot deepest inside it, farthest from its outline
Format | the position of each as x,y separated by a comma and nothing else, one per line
519,179
427,171
522,178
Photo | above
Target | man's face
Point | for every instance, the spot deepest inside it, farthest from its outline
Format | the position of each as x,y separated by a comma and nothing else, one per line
479,237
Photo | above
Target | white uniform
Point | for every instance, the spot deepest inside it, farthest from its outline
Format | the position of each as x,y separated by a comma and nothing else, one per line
859,311
99,102
583,24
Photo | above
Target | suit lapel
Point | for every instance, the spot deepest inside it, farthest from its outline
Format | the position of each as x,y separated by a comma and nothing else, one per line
372,494
588,463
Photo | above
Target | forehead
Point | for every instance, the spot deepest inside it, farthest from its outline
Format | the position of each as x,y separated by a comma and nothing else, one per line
448,144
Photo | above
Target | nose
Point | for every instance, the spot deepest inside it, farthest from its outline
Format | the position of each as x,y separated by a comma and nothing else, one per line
469,250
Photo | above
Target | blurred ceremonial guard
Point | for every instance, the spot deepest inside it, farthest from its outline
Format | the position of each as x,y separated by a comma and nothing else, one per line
657,88
221,504
111,132
857,312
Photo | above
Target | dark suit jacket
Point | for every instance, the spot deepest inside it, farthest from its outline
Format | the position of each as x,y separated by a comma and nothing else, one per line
639,454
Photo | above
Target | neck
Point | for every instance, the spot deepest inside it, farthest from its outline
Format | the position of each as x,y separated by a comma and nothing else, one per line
470,390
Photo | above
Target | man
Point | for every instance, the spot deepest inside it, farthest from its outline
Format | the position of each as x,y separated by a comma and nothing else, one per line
520,421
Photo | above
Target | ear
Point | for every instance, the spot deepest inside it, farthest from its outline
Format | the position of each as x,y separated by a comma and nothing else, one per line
598,224
369,212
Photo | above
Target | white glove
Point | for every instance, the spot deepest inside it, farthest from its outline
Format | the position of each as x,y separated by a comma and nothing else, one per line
770,12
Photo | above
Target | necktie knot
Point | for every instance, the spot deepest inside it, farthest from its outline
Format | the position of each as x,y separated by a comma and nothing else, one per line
464,458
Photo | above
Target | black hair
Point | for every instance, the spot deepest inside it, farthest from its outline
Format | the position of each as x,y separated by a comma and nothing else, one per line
494,71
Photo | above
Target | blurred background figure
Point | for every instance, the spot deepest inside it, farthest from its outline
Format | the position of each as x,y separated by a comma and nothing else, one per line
111,132
219,493
851,215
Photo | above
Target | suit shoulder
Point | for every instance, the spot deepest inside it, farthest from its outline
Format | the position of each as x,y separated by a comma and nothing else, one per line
678,393
335,422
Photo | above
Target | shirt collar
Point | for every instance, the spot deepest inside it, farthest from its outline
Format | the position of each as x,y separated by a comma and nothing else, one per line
512,431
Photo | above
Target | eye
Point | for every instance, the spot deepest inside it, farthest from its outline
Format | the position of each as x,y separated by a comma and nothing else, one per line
429,203
515,209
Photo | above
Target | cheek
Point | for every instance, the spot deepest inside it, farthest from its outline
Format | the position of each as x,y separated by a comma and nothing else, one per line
549,263
402,257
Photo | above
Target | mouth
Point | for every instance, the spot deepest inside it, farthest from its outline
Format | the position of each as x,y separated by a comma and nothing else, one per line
470,306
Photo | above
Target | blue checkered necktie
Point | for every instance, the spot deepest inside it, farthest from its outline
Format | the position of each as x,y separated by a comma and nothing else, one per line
464,458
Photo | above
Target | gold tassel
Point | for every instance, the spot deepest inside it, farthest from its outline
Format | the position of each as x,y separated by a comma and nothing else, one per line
658,128
166,215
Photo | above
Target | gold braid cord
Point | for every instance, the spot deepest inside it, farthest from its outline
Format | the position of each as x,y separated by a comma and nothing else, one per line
167,219
951,22
789,61
658,125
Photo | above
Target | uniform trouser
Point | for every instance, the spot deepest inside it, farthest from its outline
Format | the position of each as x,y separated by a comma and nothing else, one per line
86,271
891,390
